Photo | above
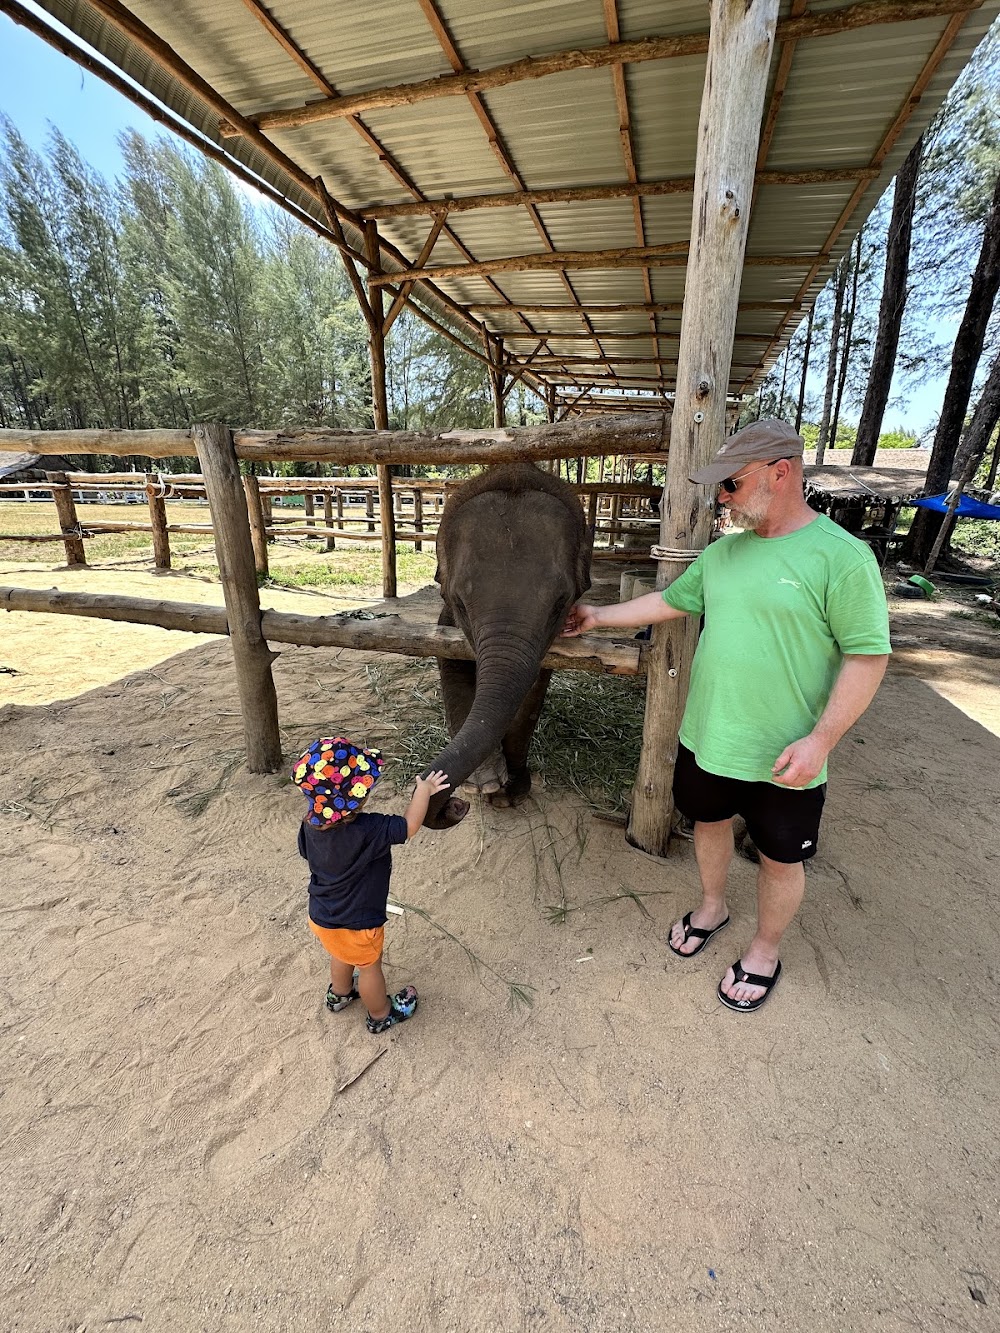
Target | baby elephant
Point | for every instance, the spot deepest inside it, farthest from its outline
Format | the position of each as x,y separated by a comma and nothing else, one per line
513,556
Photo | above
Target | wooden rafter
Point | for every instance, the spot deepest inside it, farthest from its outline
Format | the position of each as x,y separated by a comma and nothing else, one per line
615,335
595,193
628,153
865,14
622,308
662,256
387,160
493,137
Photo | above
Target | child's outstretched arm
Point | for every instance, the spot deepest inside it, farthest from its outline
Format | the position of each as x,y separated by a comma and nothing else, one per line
427,787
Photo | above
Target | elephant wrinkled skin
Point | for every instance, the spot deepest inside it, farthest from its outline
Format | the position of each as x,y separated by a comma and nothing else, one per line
513,556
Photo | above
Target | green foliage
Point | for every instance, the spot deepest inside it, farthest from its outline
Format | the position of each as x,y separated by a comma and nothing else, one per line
172,298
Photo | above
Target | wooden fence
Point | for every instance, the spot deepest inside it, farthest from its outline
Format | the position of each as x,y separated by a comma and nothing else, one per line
617,511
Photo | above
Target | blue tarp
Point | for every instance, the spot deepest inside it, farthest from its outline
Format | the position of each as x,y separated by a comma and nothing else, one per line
967,507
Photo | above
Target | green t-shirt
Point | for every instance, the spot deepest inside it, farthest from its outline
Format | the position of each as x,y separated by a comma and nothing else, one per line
780,613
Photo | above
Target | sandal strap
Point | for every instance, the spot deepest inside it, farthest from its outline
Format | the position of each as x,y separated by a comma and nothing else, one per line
695,931
744,978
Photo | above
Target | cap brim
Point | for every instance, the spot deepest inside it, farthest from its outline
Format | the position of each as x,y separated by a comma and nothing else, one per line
714,473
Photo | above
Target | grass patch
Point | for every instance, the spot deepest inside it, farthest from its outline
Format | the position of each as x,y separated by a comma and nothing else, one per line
350,568
39,517
588,738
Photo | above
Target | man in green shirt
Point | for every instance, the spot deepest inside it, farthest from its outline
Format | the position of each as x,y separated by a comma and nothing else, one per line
794,647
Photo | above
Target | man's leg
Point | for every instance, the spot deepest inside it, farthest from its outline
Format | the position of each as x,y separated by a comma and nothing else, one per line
713,850
780,887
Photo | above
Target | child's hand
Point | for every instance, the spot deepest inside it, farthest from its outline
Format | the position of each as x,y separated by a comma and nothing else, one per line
434,782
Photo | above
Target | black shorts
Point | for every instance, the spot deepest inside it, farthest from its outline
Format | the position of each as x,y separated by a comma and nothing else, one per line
783,822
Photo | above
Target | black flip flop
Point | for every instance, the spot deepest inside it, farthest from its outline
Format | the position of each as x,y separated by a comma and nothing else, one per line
694,932
749,979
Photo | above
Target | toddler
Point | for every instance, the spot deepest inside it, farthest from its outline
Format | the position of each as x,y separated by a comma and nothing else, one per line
350,861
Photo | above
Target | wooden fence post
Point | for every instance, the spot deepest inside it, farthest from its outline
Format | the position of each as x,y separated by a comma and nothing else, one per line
158,518
418,515
741,39
69,524
258,527
331,542
234,552
268,513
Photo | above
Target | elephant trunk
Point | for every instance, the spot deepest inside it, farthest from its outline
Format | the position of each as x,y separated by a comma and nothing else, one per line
506,669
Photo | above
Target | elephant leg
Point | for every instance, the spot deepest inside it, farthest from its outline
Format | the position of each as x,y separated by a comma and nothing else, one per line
517,742
458,689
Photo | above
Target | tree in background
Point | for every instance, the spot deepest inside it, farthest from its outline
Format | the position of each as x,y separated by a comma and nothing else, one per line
891,307
174,297
966,353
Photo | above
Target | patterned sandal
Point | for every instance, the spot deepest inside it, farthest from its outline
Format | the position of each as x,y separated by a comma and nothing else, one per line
335,1002
402,1006
693,932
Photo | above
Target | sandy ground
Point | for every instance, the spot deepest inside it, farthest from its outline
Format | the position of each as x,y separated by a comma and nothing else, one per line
184,1149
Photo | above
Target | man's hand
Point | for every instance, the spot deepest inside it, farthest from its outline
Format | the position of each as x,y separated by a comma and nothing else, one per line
800,762
580,619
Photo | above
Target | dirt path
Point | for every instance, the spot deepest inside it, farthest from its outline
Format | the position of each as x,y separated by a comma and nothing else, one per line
622,1154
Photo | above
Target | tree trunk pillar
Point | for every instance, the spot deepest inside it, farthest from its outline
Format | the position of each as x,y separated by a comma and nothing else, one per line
158,518
739,53
234,552
380,410
258,528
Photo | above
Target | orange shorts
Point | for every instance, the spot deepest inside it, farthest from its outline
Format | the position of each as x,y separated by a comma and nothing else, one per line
359,948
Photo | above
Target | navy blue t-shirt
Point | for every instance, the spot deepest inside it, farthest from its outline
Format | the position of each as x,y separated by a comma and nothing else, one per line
351,865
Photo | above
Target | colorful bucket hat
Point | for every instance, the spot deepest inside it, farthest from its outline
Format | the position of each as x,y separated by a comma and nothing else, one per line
336,776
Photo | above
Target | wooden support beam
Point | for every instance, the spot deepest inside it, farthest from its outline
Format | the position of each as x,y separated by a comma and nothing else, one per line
865,14
234,553
68,522
494,352
595,193
389,634
158,520
742,36
673,255
380,404
402,296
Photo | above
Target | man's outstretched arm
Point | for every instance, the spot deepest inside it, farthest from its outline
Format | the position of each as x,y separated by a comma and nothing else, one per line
649,609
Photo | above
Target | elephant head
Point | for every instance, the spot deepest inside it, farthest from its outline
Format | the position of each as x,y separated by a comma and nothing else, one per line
513,555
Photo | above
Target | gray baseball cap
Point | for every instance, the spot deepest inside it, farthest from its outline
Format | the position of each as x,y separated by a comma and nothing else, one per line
760,442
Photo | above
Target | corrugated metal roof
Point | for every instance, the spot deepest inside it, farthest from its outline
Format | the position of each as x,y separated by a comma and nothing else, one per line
845,93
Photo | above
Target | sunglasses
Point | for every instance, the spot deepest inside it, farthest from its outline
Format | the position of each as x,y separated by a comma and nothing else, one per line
732,484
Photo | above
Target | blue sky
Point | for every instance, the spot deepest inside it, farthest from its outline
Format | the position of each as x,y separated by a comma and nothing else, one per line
39,87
